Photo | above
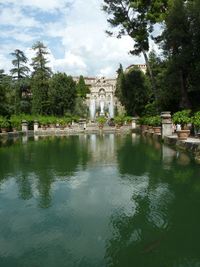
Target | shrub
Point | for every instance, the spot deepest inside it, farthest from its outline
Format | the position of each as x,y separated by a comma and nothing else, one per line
196,119
101,120
156,121
15,121
61,121
128,119
182,117
119,120
43,120
4,123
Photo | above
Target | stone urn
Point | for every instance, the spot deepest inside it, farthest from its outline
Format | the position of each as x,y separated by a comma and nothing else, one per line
183,134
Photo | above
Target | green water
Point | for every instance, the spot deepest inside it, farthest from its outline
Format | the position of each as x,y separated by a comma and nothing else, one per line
93,201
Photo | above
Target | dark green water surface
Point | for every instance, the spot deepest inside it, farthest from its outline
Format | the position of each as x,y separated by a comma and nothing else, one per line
96,201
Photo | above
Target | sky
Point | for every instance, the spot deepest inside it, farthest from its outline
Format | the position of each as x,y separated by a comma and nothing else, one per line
73,31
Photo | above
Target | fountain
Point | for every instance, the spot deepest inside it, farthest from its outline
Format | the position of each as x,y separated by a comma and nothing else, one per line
92,109
111,108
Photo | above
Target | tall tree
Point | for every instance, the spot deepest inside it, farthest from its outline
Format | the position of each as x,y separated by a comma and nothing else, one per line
7,95
120,84
40,79
177,46
19,73
82,88
133,91
62,94
20,70
136,19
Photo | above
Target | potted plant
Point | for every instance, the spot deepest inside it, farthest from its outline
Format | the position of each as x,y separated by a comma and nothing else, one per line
119,121
51,122
43,122
143,123
61,123
156,122
15,122
4,125
68,121
196,122
101,121
149,122
183,118
128,120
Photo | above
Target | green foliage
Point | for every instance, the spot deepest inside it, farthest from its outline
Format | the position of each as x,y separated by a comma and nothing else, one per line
119,120
62,94
75,118
19,73
39,62
15,121
177,44
101,120
136,19
155,121
132,91
182,117
40,79
128,119
20,69
61,121
150,109
196,119
43,120
150,120
1,119
7,94
82,88
4,123
80,109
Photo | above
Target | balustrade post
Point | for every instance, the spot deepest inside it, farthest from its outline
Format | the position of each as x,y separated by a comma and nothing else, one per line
167,127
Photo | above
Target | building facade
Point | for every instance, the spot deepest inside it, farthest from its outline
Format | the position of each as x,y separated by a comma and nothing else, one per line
102,101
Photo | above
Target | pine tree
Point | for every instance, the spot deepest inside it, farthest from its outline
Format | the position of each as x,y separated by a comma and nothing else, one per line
62,94
40,79
82,88
136,18
19,62
19,73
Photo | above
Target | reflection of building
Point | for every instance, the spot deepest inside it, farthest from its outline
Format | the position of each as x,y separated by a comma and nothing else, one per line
103,148
101,100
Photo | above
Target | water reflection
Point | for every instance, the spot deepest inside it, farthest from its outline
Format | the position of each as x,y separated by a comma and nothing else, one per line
98,200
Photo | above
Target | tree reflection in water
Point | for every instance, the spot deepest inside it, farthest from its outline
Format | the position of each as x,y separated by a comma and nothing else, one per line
41,163
158,232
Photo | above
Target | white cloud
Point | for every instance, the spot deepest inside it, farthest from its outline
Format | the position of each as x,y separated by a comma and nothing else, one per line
15,17
78,35
83,35
44,5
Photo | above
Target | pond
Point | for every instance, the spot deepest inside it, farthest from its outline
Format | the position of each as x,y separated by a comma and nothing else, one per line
98,200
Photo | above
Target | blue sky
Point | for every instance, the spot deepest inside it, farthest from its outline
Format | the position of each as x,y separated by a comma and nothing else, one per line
73,31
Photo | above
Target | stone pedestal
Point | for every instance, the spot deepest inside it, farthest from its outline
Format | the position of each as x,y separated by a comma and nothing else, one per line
134,124
35,126
167,127
24,126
